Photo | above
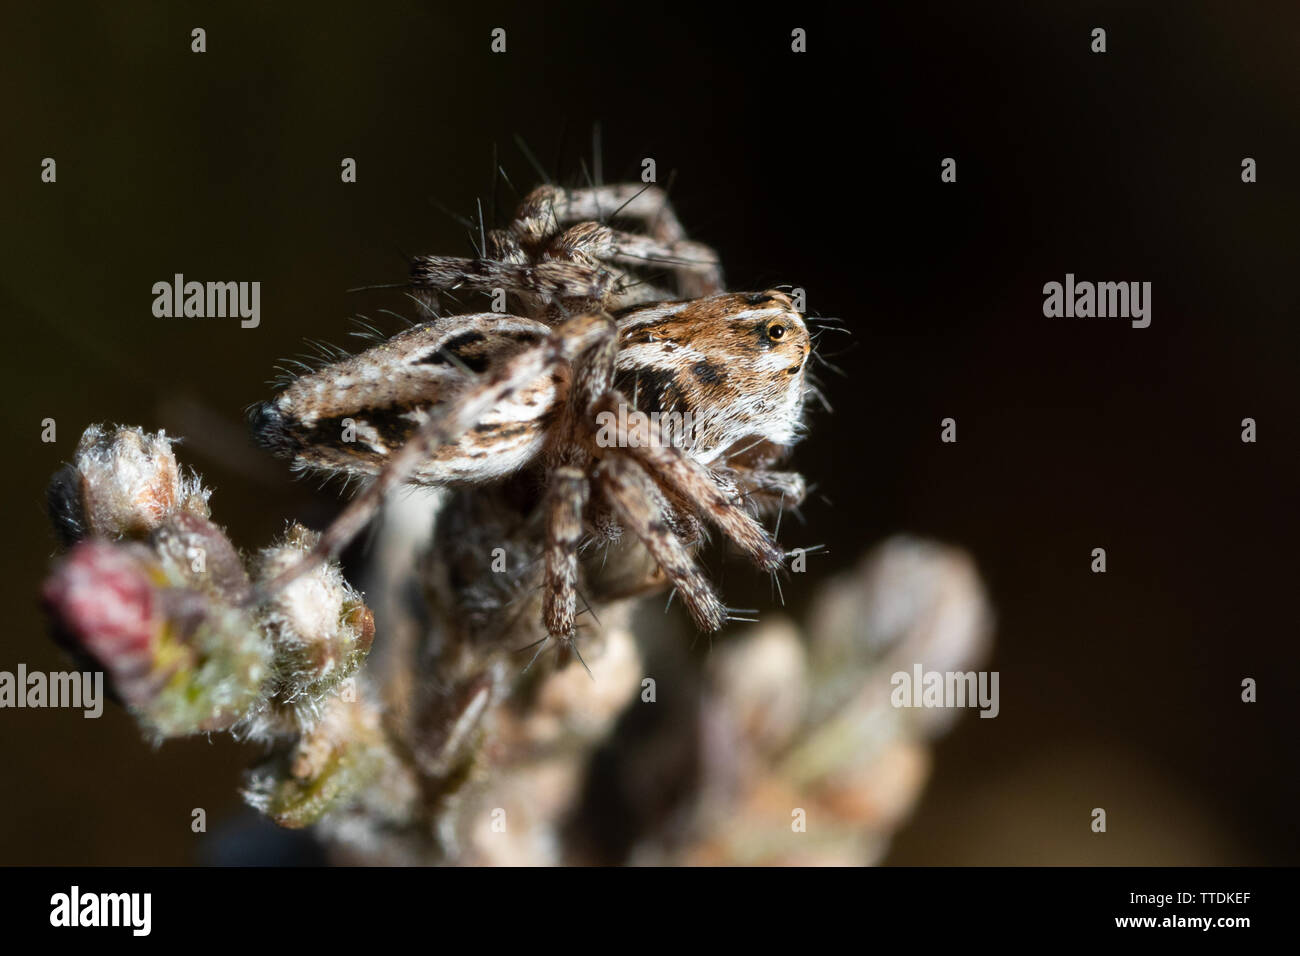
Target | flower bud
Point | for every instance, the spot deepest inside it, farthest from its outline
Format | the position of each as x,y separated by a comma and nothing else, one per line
319,625
182,662
194,550
104,605
122,484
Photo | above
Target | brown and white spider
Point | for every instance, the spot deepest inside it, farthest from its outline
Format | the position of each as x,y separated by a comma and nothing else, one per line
471,399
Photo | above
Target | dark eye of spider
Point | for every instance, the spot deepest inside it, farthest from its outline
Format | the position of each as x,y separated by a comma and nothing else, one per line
776,332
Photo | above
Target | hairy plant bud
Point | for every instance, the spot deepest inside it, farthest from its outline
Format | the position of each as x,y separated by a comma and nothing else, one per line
344,753
193,549
181,662
105,605
320,627
122,483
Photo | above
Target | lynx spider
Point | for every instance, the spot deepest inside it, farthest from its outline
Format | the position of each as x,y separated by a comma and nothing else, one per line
470,398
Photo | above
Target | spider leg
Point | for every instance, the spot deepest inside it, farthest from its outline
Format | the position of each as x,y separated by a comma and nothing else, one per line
552,279
547,209
641,505
695,264
566,498
503,246
769,491
586,243
591,244
711,495
456,418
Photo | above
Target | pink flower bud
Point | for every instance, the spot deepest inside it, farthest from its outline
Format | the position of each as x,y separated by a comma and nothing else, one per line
104,604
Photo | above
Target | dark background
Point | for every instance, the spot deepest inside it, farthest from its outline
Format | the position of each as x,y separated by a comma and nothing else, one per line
822,170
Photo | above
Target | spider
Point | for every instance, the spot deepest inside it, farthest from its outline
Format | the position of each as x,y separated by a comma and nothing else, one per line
471,399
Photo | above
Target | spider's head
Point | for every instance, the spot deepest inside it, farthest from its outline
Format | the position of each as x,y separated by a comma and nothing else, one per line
766,347
736,362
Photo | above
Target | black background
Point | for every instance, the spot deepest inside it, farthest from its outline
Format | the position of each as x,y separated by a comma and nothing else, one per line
822,170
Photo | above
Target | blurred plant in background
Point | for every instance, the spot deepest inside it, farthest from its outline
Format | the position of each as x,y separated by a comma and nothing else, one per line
447,749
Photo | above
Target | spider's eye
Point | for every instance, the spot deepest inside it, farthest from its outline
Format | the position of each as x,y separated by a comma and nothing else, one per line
776,332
